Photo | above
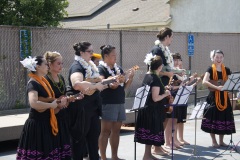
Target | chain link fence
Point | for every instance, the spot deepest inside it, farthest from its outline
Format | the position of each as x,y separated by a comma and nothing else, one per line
131,46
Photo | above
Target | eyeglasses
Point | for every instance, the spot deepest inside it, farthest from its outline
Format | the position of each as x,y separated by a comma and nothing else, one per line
89,51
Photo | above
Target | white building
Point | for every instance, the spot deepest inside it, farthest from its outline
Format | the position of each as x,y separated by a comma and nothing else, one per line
215,16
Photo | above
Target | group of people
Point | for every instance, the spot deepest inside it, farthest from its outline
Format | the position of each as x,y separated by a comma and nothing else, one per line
64,121
69,121
165,75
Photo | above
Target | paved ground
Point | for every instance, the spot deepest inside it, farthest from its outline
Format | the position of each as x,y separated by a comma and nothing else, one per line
204,150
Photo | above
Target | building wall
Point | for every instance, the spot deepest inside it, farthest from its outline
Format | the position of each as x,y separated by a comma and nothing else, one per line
214,16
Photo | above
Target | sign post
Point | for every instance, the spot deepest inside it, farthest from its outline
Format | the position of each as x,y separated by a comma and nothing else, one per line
25,43
190,48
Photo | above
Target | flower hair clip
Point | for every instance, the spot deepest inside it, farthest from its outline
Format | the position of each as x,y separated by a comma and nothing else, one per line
148,58
29,63
212,54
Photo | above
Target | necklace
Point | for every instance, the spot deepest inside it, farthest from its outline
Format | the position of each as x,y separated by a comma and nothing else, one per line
90,67
117,69
60,85
167,54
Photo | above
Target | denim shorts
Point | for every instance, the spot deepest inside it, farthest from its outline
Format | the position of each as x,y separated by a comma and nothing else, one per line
113,112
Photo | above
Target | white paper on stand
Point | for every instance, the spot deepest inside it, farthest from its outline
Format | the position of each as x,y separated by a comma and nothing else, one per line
182,95
232,83
198,110
141,97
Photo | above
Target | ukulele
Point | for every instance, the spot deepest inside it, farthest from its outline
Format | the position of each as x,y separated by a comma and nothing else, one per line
186,82
219,82
70,98
104,82
122,77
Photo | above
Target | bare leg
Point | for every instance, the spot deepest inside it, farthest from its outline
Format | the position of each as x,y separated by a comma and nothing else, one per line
103,138
168,133
114,139
158,149
214,141
175,140
180,134
147,154
168,130
221,143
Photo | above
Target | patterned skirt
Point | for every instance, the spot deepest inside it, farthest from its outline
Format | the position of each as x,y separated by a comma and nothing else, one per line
38,142
149,127
215,121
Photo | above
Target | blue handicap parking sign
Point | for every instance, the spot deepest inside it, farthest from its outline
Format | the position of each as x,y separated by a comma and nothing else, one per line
190,44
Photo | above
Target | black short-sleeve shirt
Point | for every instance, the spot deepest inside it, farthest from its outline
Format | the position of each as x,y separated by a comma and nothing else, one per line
90,103
35,86
57,87
111,96
156,50
154,81
210,71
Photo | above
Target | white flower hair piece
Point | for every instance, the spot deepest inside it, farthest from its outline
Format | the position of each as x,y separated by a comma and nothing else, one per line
148,58
29,63
157,42
212,54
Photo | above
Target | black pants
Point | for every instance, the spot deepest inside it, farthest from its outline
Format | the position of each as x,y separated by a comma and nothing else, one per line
90,136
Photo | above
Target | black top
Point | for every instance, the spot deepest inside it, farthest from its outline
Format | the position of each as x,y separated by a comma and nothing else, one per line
154,81
111,96
156,50
35,86
91,103
210,71
55,89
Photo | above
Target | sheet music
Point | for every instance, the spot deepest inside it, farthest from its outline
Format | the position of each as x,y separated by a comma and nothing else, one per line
198,110
141,97
182,95
232,83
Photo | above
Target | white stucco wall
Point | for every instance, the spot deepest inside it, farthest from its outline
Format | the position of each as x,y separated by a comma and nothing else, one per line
214,16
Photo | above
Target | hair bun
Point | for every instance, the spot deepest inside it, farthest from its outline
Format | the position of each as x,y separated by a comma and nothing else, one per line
102,47
76,46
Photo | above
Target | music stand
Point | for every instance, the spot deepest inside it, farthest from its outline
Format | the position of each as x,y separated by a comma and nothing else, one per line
139,103
196,114
180,99
231,85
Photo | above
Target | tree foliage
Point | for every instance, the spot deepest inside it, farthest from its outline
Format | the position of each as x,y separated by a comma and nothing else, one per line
32,12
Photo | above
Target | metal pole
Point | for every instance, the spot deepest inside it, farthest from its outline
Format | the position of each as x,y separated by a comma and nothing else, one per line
121,54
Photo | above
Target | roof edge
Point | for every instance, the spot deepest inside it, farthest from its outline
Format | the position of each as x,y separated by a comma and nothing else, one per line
117,26
91,11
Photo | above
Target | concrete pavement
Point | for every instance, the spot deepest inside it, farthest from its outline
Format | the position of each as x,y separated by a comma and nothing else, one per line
203,145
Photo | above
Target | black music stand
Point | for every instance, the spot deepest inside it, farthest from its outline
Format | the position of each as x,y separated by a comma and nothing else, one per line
231,85
196,114
180,99
139,103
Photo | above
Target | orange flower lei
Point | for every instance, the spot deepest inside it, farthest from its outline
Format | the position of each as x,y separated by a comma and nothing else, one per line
220,107
48,88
